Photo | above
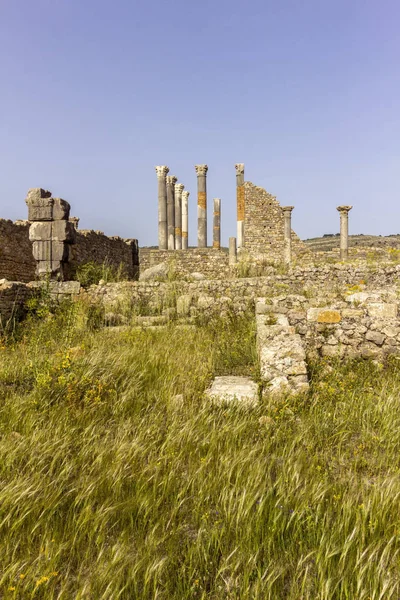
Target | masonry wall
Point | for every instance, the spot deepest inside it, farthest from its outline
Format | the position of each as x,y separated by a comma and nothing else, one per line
264,226
16,259
213,263
94,246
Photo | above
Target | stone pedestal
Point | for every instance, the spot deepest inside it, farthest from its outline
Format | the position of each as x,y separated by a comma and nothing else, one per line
170,183
287,233
162,207
178,215
51,233
232,251
185,220
201,171
344,231
217,223
240,203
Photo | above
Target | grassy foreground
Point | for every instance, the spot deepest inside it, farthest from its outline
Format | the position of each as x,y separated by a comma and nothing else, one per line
113,487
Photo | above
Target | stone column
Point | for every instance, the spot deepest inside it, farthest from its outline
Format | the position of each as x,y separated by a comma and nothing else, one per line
170,182
185,220
162,207
287,233
240,203
232,251
344,231
217,223
201,171
178,215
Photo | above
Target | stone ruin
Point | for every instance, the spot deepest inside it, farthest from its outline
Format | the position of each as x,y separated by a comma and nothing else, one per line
51,233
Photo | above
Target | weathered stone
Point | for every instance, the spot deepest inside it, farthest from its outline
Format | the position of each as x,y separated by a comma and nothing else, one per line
205,302
50,251
159,271
231,389
382,310
375,337
60,231
61,209
183,305
329,316
40,209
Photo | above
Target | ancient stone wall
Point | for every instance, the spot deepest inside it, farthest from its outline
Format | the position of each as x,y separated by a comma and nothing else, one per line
13,296
16,259
211,262
264,226
94,246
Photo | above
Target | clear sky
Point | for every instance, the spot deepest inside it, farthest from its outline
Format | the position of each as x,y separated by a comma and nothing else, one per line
306,93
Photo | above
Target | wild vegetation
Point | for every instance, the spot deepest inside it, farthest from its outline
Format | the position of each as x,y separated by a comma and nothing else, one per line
119,480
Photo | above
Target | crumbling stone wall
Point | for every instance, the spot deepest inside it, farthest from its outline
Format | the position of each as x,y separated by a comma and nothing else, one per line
264,226
211,262
94,246
16,259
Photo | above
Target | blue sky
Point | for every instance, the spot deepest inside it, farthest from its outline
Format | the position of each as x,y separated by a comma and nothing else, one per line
306,93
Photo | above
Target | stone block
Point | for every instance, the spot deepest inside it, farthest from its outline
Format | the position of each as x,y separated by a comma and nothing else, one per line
47,267
35,194
375,337
205,302
312,313
50,251
40,231
63,231
232,389
183,305
352,313
61,209
382,310
40,209
329,316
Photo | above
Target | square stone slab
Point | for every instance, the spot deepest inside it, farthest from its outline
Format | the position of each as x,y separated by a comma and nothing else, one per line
240,390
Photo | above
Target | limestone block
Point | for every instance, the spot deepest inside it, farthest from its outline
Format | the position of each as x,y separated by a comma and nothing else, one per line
375,337
232,389
40,231
159,271
183,305
312,313
329,316
40,209
205,302
50,251
197,276
382,310
45,267
63,231
61,209
35,194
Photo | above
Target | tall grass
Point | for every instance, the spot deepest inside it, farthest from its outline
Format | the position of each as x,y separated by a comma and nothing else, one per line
119,480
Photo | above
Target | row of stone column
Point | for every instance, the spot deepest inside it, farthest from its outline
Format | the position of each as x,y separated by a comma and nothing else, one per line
173,211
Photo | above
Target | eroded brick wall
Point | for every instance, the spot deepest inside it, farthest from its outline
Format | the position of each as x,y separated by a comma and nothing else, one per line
16,259
263,226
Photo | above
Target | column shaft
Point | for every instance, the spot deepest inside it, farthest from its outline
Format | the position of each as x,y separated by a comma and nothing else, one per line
178,215
217,223
344,231
185,220
240,203
162,207
201,171
232,251
171,180
287,233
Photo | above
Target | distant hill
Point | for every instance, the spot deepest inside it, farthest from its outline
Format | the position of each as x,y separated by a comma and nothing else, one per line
330,241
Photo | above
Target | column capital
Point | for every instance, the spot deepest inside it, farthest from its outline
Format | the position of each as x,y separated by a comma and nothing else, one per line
179,187
172,179
162,170
344,208
287,208
201,169
239,168
185,194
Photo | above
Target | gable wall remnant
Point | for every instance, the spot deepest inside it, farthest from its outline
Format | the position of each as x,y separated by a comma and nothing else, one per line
264,226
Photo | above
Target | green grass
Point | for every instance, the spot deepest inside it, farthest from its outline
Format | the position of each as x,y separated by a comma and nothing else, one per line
113,487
